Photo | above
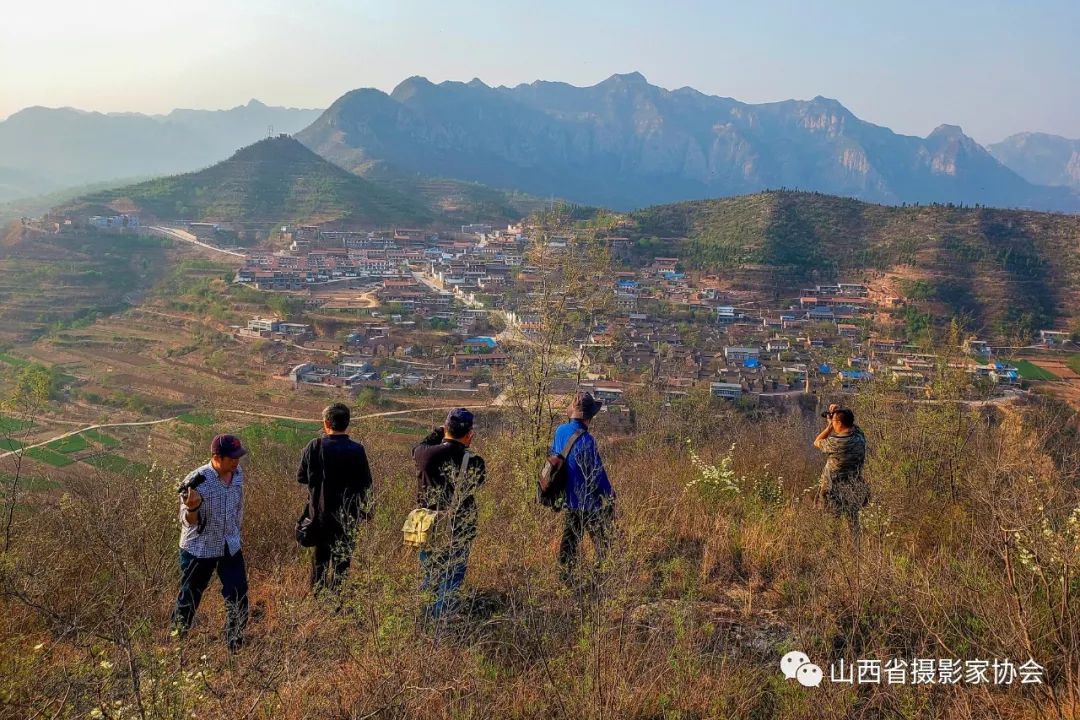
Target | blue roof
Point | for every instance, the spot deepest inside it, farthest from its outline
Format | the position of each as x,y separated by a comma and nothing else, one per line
824,368
488,341
751,363
854,374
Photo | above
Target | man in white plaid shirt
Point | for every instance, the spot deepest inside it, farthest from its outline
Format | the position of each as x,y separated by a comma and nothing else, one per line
210,515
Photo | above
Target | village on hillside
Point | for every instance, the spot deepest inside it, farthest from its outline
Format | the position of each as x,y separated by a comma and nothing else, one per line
670,329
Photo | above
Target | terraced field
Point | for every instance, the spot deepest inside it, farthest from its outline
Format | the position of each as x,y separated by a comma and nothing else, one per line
140,331
57,281
1066,376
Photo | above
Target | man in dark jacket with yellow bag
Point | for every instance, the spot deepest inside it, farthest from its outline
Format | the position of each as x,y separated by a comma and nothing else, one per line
448,475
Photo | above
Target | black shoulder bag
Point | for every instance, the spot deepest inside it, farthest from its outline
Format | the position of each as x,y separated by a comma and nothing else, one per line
307,525
551,486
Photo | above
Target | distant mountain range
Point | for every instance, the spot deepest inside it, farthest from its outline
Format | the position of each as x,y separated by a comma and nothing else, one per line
469,151
624,143
1040,158
274,180
48,149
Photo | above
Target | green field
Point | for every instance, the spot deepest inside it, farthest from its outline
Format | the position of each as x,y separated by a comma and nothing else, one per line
102,439
47,456
12,360
7,444
196,419
1074,363
10,425
299,425
116,464
292,433
72,444
404,428
1029,371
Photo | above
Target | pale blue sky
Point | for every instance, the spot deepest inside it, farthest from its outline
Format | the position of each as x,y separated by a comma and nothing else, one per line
991,66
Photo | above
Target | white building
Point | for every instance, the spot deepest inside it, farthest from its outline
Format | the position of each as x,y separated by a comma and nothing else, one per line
738,354
725,390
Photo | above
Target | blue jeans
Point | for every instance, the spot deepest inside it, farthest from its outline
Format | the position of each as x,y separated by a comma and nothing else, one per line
444,572
195,574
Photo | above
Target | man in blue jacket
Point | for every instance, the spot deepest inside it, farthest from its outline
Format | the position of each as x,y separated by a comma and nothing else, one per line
590,501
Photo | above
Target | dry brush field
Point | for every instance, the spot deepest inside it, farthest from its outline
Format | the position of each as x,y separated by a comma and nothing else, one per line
710,585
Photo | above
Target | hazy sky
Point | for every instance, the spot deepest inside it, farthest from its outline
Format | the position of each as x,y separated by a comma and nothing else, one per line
991,66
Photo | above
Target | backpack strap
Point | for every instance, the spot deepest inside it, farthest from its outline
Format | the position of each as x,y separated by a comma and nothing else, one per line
570,444
317,496
463,470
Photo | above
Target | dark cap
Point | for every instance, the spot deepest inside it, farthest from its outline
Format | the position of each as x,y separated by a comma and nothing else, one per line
227,446
459,422
585,406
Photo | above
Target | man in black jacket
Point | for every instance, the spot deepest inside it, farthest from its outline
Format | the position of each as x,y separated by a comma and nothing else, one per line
446,481
336,472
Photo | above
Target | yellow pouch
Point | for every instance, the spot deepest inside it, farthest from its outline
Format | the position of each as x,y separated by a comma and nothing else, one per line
423,527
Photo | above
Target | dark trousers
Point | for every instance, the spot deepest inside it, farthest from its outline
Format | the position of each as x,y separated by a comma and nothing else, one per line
331,561
599,524
195,574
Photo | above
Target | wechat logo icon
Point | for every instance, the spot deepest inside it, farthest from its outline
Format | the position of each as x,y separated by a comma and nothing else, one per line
796,665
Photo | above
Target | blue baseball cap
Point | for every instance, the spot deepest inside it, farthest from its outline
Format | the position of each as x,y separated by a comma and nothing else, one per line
459,422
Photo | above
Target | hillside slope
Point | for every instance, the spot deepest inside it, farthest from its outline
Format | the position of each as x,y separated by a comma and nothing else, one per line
1006,270
456,201
274,180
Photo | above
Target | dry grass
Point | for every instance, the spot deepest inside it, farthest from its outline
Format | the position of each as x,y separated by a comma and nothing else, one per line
705,593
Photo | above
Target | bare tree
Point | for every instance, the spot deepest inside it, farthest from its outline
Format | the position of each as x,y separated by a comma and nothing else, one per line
568,289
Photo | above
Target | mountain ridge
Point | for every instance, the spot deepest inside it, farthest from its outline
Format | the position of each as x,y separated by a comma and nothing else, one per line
1041,158
625,143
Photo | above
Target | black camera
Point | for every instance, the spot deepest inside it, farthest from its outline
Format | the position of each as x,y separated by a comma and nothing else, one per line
191,484
827,413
